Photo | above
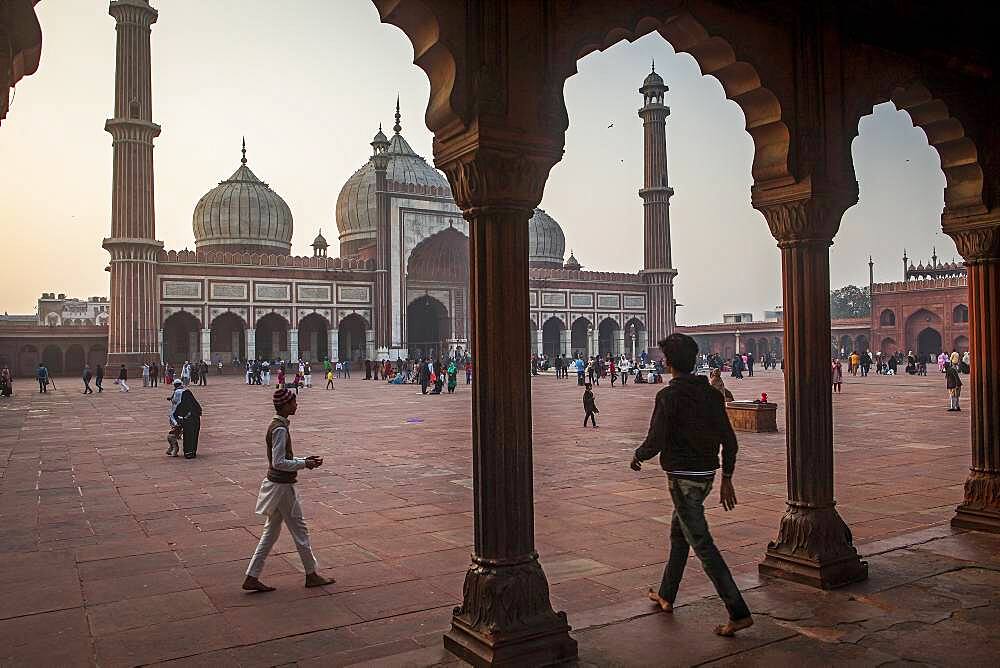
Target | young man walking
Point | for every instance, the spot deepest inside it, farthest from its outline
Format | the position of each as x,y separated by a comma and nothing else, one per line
87,375
689,423
278,499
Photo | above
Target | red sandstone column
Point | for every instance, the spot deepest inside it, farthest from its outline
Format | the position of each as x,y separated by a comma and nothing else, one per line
814,545
505,617
658,271
133,323
980,246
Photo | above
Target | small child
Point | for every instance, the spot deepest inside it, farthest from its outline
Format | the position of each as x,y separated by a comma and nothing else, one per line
837,375
589,405
329,379
954,384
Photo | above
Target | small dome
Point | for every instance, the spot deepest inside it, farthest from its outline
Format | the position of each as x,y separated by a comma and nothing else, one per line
320,241
652,79
546,241
572,263
356,206
243,214
380,137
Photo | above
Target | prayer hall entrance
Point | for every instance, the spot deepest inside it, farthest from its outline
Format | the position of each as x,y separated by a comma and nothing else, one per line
427,328
180,338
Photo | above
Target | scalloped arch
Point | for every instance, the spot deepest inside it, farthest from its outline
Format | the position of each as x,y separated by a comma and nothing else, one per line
740,81
946,135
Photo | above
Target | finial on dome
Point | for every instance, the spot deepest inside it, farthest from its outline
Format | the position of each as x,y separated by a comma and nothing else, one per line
396,128
653,68
243,161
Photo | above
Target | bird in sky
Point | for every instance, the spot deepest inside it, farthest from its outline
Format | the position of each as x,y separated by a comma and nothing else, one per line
612,125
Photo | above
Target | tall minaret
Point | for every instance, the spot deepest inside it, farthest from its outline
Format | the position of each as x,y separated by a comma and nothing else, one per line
658,270
133,333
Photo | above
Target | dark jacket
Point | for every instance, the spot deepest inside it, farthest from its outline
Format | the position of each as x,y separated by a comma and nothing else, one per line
952,378
188,408
689,423
589,404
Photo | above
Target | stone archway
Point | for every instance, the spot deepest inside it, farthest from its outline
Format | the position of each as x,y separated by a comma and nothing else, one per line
271,337
352,342
608,336
75,358
52,357
919,321
181,341
552,337
961,344
228,338
887,318
314,339
427,328
27,360
846,345
928,343
861,344
579,337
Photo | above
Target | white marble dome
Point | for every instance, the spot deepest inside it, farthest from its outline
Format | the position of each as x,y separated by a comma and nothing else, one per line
243,214
406,171
546,241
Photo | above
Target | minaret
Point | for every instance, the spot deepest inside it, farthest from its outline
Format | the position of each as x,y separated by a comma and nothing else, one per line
905,266
382,314
133,329
658,271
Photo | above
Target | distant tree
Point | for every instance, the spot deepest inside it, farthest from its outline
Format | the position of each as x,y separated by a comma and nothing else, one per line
850,301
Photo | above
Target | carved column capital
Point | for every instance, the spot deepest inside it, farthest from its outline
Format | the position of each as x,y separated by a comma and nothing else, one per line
978,243
499,177
801,214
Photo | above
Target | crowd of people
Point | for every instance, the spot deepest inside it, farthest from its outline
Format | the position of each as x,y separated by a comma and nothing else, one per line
592,370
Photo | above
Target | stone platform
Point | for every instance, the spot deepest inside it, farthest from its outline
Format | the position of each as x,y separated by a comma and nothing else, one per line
116,555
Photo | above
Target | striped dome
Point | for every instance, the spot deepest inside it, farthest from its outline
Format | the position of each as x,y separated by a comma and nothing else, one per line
356,207
243,214
546,241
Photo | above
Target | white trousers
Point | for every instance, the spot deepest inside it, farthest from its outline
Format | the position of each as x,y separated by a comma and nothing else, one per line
272,529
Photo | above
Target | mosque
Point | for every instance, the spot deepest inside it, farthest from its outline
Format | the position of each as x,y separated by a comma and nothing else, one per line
400,287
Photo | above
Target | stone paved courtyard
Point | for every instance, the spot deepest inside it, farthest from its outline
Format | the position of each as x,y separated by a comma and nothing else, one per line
114,554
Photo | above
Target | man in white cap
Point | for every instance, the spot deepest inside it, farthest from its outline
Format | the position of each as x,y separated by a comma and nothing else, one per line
278,499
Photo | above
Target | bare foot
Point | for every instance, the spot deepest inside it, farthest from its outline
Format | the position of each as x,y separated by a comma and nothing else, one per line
317,580
253,584
662,602
729,630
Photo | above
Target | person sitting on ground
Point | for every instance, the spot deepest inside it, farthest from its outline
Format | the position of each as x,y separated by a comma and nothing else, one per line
715,380
689,424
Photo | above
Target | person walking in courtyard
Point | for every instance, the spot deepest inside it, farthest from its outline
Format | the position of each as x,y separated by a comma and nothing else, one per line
424,374
329,378
42,375
715,380
954,384
468,372
589,406
154,374
750,363
836,374
452,376
689,424
99,378
145,374
307,375
123,379
187,414
203,373
278,499
87,375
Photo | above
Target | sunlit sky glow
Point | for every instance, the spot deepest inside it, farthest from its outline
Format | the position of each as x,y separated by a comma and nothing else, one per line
308,83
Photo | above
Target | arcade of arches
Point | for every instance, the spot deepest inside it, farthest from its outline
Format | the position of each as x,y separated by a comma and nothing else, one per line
497,110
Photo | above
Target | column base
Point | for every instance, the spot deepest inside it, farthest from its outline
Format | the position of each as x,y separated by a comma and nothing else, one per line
506,618
132,361
980,511
815,548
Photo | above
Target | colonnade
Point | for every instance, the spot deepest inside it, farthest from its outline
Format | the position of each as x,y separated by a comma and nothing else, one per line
497,70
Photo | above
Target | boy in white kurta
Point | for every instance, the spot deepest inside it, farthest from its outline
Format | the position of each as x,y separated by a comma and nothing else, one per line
278,499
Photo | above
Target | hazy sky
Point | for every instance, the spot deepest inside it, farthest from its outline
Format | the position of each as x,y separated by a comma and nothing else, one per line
309,81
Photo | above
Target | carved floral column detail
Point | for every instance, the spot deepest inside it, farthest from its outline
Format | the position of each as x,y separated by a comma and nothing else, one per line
505,617
980,246
814,545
